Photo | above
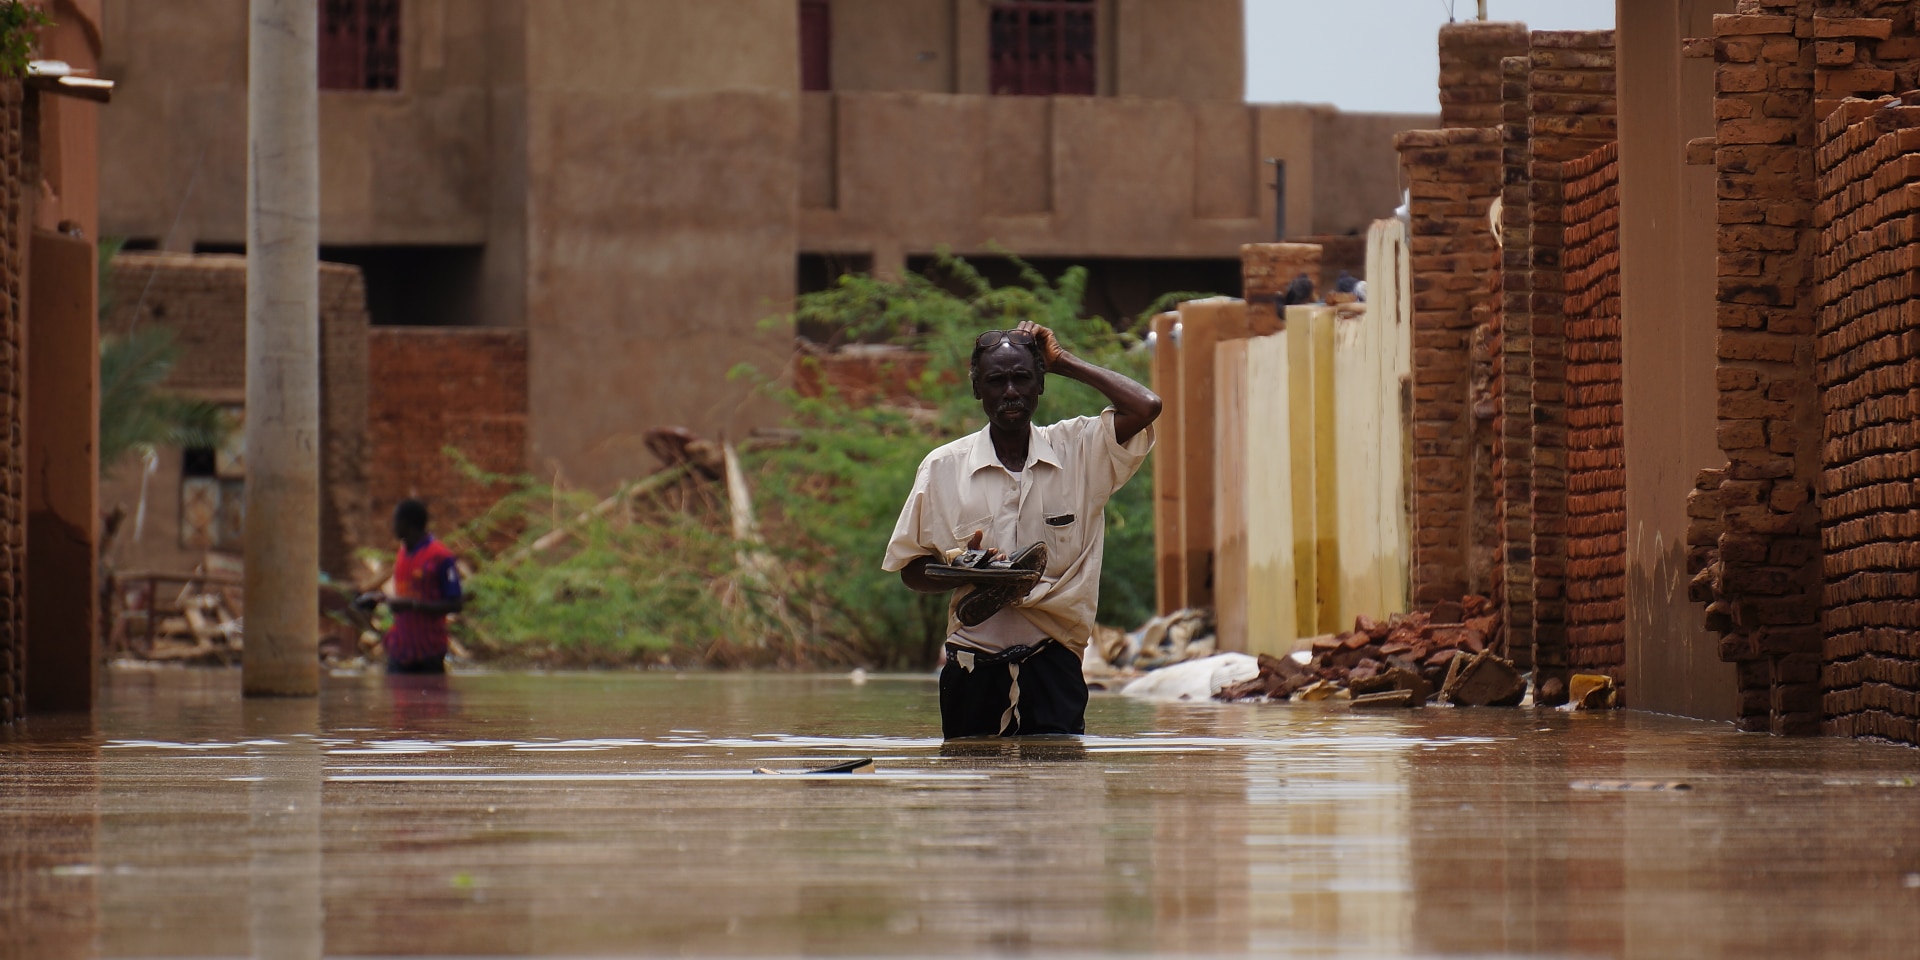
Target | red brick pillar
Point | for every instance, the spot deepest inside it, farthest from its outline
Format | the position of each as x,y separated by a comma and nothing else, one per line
1454,177
1767,583
1266,271
1869,155
1596,518
1513,370
1571,105
13,458
1470,74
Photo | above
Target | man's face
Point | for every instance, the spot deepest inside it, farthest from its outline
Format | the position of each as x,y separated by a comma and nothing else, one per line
1009,384
404,528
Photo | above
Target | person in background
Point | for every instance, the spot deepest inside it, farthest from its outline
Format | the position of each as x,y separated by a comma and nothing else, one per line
1006,488
426,584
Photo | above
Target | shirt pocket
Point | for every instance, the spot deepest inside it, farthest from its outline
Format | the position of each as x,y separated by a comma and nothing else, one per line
1066,534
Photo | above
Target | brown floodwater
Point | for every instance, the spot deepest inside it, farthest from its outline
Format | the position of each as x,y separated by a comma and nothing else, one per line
594,814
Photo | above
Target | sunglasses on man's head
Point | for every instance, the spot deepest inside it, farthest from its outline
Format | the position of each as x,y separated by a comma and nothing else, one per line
994,338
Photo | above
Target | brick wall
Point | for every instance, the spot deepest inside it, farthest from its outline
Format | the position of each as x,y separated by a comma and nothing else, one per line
1596,477
1454,176
13,482
1266,269
1868,361
1783,73
1570,113
203,299
1513,372
431,388
1470,77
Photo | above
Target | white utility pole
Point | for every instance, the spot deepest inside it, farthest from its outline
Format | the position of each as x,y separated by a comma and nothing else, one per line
282,540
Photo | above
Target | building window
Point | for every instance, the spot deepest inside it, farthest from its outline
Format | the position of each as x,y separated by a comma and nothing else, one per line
213,488
1043,47
816,45
360,44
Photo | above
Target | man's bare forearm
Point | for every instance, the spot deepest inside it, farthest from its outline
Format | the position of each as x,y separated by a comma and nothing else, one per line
914,575
1134,406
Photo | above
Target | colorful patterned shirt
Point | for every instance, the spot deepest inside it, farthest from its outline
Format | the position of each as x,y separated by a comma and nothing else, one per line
426,573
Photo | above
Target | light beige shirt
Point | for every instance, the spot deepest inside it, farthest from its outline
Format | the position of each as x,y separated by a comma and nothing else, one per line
1059,497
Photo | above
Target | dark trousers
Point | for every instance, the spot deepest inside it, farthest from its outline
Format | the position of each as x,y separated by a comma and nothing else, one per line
435,665
1053,696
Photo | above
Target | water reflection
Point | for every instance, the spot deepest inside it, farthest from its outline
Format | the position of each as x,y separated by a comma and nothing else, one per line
586,814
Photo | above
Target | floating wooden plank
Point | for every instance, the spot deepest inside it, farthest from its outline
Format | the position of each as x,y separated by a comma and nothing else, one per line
1169,542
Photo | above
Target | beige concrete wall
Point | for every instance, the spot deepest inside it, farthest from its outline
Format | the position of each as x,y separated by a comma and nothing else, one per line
1667,279
1356,173
894,173
894,45
410,166
1193,49
663,178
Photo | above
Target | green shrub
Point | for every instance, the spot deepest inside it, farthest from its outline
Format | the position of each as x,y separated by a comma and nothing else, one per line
662,576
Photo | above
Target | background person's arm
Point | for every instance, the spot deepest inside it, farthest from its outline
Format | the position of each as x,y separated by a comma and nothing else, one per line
1134,407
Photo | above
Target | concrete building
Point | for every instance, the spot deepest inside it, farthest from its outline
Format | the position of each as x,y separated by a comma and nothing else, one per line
638,183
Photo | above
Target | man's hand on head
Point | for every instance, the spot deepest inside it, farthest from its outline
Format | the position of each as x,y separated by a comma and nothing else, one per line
1051,353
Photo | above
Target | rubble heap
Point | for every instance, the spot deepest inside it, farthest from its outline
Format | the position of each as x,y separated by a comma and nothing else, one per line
1455,649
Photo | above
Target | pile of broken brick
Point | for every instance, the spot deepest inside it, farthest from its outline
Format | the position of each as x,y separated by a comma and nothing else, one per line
1453,651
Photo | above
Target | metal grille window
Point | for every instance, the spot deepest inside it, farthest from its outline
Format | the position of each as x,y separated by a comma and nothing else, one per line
360,44
1043,47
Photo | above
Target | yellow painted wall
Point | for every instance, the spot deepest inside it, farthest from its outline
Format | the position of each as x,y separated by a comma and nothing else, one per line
1272,617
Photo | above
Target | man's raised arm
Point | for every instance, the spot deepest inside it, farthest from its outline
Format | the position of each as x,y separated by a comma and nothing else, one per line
1134,406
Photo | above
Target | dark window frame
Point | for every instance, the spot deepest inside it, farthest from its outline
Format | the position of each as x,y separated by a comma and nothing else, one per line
360,45
1044,48
816,45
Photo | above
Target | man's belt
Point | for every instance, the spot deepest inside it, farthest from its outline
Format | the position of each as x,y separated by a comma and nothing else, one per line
968,658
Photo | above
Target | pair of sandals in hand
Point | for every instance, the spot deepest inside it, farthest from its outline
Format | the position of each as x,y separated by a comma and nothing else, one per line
997,581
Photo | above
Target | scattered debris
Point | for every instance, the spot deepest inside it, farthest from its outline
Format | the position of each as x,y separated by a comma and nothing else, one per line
1413,652
1173,638
1594,691
1195,679
1629,785
1385,698
194,618
862,765
1485,679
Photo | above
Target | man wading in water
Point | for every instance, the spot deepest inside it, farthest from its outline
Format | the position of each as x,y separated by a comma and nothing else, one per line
1034,500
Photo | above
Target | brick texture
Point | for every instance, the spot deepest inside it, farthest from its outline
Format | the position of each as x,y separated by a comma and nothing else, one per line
203,298
14,175
1867,354
1470,77
1454,178
1513,369
1266,269
1790,539
1596,478
1570,114
434,388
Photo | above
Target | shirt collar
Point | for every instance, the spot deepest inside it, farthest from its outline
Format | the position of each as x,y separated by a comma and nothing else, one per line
414,550
1039,450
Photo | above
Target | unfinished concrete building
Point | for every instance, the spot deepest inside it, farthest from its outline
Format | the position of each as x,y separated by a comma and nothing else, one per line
636,185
